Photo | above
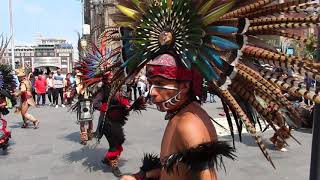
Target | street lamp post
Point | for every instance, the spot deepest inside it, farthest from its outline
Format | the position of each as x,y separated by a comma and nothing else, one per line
12,35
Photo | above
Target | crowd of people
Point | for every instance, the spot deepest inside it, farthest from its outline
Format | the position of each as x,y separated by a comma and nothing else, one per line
36,86
52,86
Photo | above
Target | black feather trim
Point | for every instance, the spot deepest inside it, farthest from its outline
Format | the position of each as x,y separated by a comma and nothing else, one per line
114,132
150,162
226,110
204,156
118,113
76,107
139,105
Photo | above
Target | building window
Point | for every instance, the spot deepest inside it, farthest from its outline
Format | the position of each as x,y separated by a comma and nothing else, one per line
51,54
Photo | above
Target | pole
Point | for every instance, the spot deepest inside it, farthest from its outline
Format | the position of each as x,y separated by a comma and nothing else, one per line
12,36
82,16
315,151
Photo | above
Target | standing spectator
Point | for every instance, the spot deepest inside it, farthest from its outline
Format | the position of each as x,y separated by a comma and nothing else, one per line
58,87
32,78
134,88
141,84
50,88
40,87
68,89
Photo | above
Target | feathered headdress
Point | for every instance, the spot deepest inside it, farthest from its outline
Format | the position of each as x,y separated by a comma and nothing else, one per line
7,81
96,64
219,39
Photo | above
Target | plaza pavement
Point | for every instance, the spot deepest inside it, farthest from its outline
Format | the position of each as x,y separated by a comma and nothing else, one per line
53,151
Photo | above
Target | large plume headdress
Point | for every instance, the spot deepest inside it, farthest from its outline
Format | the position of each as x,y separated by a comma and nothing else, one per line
97,63
7,81
220,39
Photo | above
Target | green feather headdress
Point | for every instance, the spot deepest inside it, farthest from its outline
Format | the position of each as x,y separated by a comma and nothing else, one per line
221,39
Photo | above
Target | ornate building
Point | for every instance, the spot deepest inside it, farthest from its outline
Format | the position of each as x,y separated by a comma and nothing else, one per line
53,53
97,15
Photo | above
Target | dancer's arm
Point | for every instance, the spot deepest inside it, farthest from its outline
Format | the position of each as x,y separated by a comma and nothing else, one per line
152,174
150,169
23,88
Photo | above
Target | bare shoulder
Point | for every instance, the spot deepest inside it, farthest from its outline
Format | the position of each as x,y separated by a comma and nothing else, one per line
194,126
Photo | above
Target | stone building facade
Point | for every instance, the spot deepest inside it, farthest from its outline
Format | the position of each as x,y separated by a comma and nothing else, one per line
53,53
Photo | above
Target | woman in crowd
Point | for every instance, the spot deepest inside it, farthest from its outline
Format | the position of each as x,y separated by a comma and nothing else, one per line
50,89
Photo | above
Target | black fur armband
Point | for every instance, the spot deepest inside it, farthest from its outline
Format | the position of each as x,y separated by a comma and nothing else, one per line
150,162
204,156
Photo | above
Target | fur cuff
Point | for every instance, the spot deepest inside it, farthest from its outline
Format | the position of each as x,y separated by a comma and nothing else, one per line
204,156
150,162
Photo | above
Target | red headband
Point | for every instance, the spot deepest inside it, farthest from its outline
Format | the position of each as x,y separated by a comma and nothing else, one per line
168,72
166,66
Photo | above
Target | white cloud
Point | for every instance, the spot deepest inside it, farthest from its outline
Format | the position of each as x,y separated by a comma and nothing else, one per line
33,9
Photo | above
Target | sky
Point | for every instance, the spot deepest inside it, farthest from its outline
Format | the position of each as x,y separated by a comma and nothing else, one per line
50,18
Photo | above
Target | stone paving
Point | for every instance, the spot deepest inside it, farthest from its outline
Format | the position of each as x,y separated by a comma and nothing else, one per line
53,151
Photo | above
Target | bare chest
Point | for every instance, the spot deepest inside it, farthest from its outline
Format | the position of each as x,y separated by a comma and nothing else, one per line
169,141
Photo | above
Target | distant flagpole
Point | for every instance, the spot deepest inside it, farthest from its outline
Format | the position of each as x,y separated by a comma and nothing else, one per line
12,35
82,18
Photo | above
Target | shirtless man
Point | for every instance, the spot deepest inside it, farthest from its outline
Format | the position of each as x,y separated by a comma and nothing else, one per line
174,90
25,92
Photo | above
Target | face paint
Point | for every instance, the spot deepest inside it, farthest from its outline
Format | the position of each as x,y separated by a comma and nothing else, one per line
165,105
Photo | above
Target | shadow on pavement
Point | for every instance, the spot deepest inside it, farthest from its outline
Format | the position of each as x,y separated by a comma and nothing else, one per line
18,125
90,158
7,151
74,137
15,126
